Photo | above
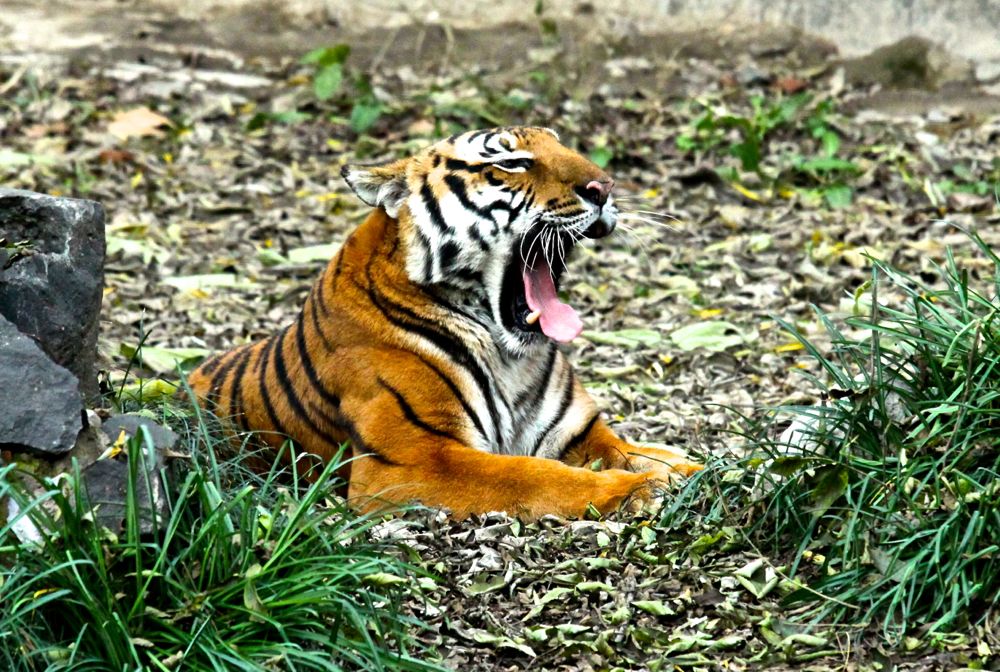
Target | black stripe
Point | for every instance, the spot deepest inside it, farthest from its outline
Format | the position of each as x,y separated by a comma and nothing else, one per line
524,162
311,301
448,254
338,267
222,373
478,237
320,290
207,367
236,394
262,383
563,405
578,437
433,209
470,275
479,134
429,254
443,340
412,416
458,352
289,391
458,395
538,389
362,448
456,164
457,186
307,365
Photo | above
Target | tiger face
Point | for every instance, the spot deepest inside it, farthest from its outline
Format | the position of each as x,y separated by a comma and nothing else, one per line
488,219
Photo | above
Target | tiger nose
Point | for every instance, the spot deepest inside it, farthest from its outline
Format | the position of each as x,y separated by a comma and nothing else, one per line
596,191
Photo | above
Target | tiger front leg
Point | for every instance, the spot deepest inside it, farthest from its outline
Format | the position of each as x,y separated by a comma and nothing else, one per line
468,481
599,446
401,461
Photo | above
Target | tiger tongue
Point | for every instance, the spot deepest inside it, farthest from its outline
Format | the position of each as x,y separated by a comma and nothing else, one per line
558,320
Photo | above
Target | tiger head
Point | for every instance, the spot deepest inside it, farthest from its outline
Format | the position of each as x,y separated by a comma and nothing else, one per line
489,217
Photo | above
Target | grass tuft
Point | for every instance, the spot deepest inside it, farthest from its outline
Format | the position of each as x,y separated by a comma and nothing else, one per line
248,573
883,502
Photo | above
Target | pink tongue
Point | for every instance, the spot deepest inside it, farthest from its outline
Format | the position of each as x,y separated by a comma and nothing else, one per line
558,321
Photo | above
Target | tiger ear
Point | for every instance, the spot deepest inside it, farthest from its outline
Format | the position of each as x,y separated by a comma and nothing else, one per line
380,186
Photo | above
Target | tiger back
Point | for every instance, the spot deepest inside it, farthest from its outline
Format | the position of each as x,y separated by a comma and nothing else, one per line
429,343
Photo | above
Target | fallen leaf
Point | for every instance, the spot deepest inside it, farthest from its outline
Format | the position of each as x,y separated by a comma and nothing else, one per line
713,335
137,122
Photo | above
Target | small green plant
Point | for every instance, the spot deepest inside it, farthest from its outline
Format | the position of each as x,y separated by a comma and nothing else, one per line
329,73
243,573
748,138
546,25
328,76
981,180
884,501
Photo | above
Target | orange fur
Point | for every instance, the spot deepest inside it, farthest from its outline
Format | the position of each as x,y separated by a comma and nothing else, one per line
348,369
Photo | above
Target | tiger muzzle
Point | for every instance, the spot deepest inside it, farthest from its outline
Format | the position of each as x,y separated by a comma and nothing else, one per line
599,229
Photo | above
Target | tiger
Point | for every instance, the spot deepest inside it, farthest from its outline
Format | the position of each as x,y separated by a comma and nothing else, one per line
430,344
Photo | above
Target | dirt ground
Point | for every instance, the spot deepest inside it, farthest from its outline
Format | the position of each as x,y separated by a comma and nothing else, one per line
220,217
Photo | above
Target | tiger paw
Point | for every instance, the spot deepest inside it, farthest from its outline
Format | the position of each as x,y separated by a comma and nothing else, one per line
663,464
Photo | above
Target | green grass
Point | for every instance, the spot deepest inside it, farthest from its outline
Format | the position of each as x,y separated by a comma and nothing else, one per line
247,573
883,503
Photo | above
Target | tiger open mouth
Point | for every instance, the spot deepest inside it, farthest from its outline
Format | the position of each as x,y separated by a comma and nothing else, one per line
530,294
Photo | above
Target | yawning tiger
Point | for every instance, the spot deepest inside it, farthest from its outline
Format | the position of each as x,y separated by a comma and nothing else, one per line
429,342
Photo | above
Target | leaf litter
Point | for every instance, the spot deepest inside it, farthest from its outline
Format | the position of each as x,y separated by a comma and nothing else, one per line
226,201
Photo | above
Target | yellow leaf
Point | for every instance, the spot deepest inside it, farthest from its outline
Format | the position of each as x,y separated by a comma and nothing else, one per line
44,591
137,179
137,122
651,193
752,195
789,347
115,448
706,313
302,193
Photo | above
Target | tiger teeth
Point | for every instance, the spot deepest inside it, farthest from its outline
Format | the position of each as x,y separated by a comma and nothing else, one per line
533,317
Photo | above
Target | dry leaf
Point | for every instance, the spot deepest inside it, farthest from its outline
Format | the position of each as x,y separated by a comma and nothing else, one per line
138,122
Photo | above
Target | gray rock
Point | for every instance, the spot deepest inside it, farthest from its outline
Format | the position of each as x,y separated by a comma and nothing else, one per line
910,63
106,480
164,439
750,75
53,292
40,407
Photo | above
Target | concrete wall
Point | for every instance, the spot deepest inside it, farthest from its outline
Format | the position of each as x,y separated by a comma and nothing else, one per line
967,28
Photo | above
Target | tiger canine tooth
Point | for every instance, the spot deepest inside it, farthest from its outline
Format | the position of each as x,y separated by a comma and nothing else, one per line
533,317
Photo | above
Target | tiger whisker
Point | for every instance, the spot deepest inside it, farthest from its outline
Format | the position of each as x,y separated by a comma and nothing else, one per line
632,239
654,213
626,216
524,256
